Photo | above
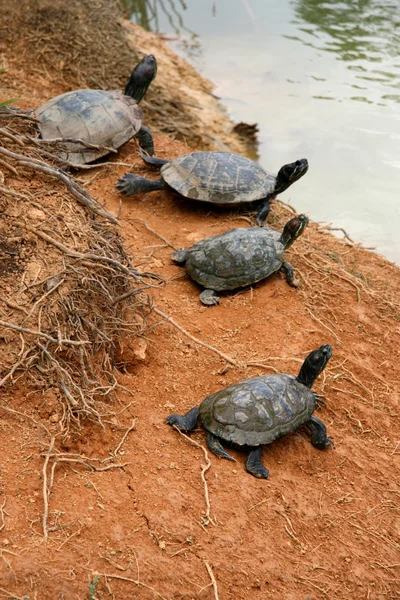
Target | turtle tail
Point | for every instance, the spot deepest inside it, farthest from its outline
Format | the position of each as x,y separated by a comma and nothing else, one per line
153,160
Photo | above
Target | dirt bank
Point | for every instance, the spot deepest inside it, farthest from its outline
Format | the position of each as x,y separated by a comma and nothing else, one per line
325,525
53,47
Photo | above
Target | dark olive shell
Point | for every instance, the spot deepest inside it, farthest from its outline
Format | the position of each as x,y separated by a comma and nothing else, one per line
93,116
258,410
236,258
218,177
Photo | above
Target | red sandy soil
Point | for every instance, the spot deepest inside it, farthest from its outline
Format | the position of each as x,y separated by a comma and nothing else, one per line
324,525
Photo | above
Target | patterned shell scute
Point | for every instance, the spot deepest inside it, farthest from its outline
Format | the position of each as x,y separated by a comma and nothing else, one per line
94,116
258,410
218,177
236,258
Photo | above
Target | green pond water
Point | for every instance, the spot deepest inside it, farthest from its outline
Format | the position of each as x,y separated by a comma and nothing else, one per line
322,80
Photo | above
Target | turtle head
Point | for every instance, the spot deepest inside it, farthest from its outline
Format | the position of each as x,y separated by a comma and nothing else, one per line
293,229
290,173
142,75
314,364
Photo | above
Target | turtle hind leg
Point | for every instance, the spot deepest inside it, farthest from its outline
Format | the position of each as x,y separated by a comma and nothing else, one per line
263,211
216,447
153,160
209,298
319,437
185,422
145,140
254,465
130,184
179,256
287,270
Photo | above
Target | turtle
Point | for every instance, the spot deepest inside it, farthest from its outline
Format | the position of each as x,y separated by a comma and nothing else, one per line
98,117
220,178
240,257
257,411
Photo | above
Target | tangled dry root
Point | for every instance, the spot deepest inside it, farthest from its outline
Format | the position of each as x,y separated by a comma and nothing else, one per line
69,293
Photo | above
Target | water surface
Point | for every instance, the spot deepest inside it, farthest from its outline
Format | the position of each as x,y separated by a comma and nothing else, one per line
322,80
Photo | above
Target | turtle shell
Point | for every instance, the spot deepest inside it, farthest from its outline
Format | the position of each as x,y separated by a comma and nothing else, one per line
236,258
258,410
94,116
218,177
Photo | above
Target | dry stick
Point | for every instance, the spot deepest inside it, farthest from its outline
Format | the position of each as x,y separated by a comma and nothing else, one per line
12,596
46,492
229,359
323,324
131,428
10,111
53,289
56,141
16,412
80,194
155,232
41,334
14,368
96,257
88,465
9,167
213,581
88,202
2,514
207,519
6,133
135,581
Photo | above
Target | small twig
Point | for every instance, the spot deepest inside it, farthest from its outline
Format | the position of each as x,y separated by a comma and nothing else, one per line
2,514
213,580
229,359
10,595
46,492
16,412
161,237
68,539
14,368
55,141
207,518
131,428
76,190
96,257
323,324
44,335
135,581
346,235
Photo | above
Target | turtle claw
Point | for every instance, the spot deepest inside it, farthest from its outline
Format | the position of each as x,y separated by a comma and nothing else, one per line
329,442
124,184
295,283
209,298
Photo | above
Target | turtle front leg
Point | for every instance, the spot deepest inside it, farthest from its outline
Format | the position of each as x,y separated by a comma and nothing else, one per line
263,211
145,140
209,298
130,184
216,447
185,422
287,270
319,437
254,464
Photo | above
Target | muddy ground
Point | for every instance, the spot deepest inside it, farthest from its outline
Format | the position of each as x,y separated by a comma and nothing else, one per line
324,525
